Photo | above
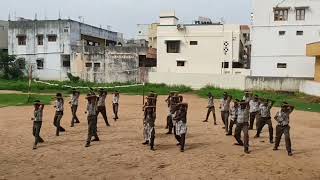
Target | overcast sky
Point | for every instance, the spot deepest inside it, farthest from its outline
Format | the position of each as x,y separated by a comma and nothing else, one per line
124,15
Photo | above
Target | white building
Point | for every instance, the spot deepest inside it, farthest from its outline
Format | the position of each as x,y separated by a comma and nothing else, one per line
46,44
280,31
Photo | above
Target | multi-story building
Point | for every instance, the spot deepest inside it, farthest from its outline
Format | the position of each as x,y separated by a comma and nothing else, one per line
46,44
280,31
4,36
202,47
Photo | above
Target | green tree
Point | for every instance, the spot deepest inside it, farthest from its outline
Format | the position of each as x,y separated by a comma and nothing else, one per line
11,67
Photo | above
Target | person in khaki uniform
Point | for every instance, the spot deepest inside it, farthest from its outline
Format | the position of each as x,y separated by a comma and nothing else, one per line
224,108
243,125
254,110
92,119
149,125
74,102
102,105
283,119
211,108
181,125
37,123
115,105
59,103
233,116
265,118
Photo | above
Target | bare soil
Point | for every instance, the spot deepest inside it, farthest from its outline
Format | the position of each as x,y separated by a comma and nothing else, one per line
120,155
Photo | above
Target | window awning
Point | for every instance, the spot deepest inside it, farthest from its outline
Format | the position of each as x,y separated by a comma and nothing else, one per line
172,41
302,7
281,8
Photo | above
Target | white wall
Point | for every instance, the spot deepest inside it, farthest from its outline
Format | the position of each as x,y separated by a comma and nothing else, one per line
268,48
310,87
207,56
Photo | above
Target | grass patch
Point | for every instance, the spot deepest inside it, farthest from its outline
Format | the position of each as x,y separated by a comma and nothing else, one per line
300,101
22,85
22,99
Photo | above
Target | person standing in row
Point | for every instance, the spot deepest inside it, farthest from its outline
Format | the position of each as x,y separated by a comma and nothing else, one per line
247,96
92,119
59,103
172,109
265,118
181,125
102,105
37,123
243,125
283,119
149,120
211,108
254,109
149,103
74,106
225,107
168,101
233,116
115,105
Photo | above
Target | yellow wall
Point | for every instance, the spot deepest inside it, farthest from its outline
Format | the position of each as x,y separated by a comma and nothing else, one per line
313,49
317,70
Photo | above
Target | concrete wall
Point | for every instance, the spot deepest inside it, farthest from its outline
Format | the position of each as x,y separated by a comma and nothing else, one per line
269,48
198,81
4,34
117,64
240,82
310,87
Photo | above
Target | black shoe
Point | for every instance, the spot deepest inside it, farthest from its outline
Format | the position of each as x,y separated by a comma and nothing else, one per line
256,136
169,133
181,150
229,134
205,121
71,125
271,141
223,127
290,154
95,139
108,125
87,145
238,144
178,144
57,134
152,149
34,147
146,143
77,122
247,151
275,149
41,140
62,130
215,124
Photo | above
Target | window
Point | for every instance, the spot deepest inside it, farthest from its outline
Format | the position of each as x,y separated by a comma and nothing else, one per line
96,65
173,46
52,38
225,64
21,63
282,65
40,40
281,14
65,30
65,60
181,63
193,43
89,65
40,63
22,40
299,33
282,33
300,14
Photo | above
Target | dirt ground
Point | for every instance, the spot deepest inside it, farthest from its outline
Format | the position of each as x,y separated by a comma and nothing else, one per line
120,155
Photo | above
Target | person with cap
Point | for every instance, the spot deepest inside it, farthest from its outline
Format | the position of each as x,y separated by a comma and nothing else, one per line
224,108
59,103
74,102
181,125
243,125
102,105
92,119
233,116
37,123
265,118
172,110
149,126
254,109
283,119
115,105
211,109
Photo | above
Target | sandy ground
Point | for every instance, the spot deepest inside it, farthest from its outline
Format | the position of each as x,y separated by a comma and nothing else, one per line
119,155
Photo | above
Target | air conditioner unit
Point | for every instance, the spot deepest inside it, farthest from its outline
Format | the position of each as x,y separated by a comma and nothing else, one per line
180,27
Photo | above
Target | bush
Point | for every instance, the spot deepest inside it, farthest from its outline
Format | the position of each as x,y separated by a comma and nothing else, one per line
10,67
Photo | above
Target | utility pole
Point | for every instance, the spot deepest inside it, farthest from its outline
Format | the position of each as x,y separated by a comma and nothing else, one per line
30,80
